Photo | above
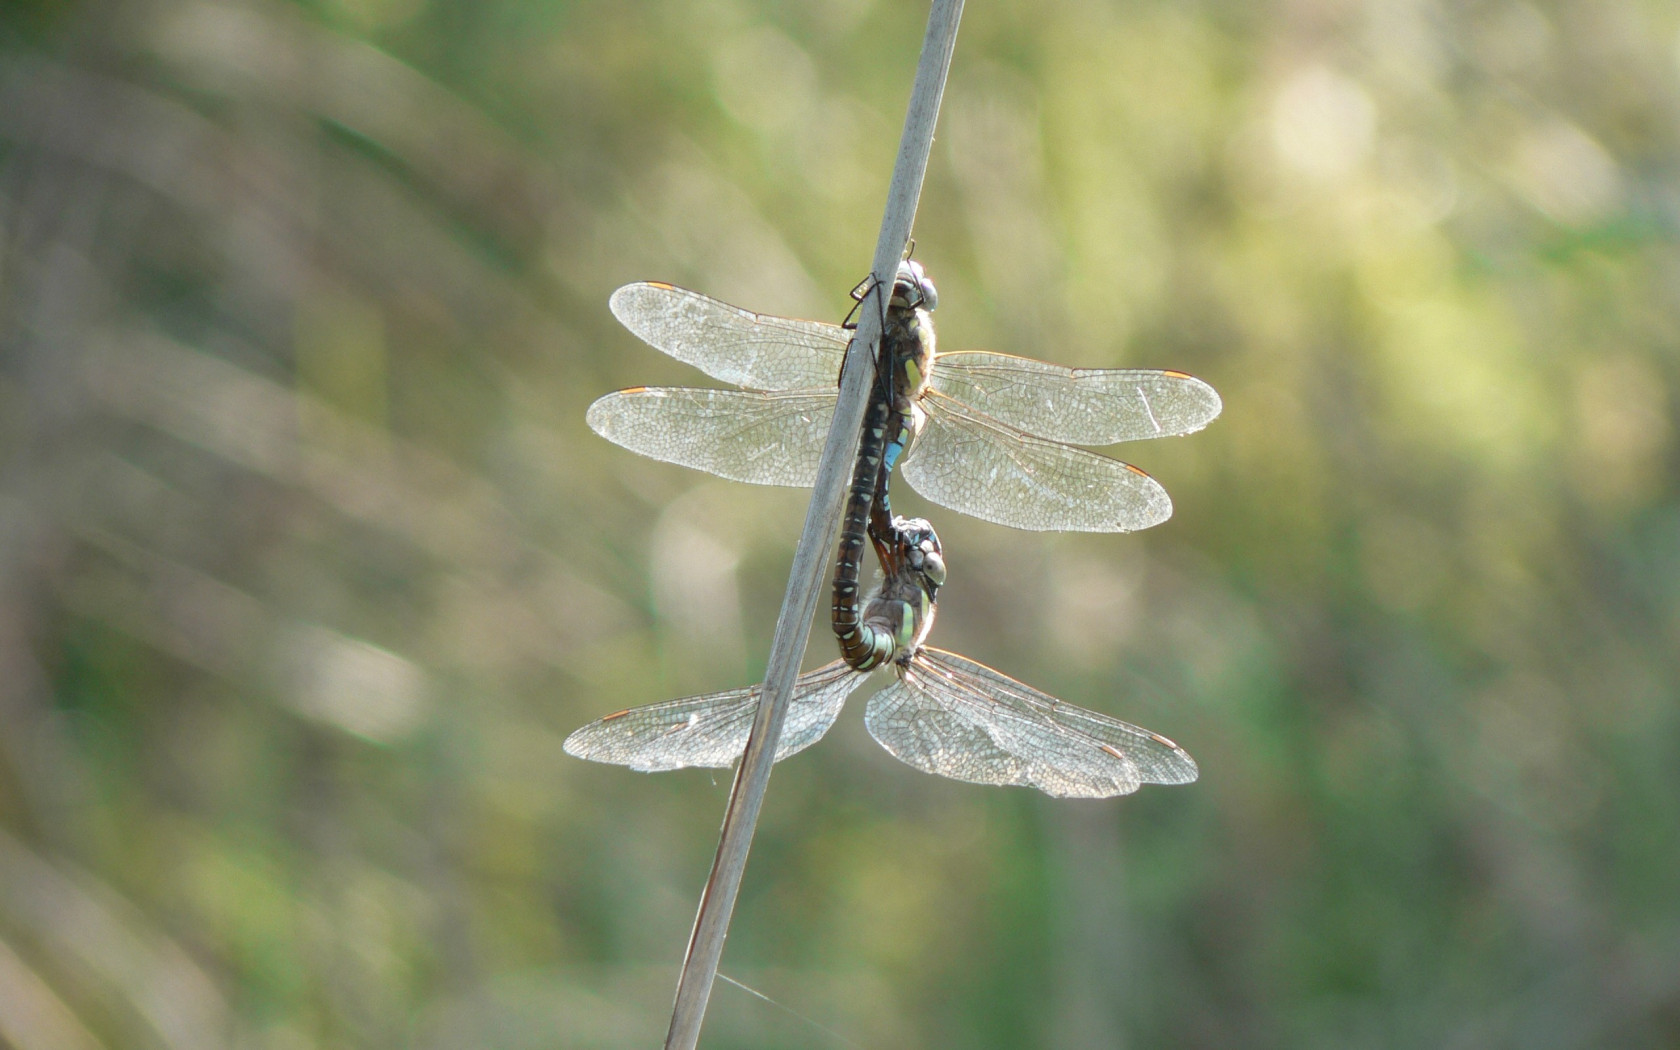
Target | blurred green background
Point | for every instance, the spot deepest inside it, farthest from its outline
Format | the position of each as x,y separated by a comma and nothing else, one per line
308,562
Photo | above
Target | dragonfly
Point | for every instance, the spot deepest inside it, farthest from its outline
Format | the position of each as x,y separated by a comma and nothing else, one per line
905,350
991,435
943,713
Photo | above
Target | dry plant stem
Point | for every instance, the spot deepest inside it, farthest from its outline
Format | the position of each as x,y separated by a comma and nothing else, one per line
717,901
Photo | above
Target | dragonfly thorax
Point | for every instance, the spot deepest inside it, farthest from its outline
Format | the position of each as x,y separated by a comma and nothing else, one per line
898,616
901,608
908,344
908,341
908,348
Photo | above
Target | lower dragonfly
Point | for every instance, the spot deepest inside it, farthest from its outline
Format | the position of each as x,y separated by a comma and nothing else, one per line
945,714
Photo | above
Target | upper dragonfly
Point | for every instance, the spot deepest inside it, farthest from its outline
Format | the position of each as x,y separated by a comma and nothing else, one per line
944,714
991,435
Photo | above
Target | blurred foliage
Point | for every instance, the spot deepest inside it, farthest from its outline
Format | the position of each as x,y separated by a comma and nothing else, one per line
308,563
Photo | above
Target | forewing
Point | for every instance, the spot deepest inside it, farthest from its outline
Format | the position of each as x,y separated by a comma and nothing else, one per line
728,343
760,438
1085,406
952,717
712,730
997,473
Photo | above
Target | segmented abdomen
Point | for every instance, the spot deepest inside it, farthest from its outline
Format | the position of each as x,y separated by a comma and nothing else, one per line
862,647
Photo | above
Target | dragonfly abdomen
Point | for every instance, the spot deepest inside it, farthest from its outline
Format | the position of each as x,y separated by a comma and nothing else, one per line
863,647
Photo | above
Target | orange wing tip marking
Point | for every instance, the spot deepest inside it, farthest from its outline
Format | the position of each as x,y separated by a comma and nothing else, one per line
1140,472
616,714
661,284
634,390
1163,740
1111,749
1174,373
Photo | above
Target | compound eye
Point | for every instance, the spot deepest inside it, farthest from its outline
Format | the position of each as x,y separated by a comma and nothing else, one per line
933,567
912,285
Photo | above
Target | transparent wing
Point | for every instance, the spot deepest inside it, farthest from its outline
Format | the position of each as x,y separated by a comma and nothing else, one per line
760,438
994,472
1085,406
712,730
952,717
729,343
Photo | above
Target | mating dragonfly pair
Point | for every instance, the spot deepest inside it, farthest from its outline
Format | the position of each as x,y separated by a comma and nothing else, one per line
986,434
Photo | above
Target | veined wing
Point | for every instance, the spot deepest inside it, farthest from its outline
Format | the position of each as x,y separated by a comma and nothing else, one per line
952,717
771,438
712,730
728,343
994,472
1085,406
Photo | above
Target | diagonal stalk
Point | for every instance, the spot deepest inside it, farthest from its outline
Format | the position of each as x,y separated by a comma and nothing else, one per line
793,624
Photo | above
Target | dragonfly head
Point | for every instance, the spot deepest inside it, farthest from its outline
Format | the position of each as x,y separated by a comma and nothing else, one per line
913,287
919,545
